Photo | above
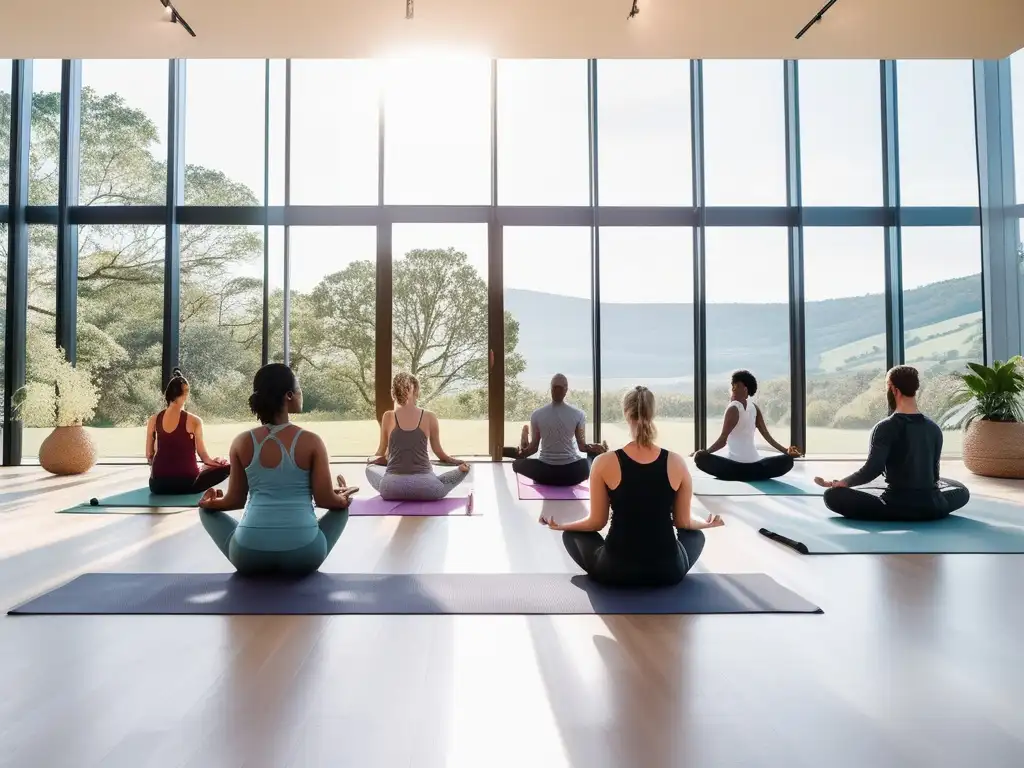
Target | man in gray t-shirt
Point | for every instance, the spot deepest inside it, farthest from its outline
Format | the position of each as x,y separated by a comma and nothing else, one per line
558,431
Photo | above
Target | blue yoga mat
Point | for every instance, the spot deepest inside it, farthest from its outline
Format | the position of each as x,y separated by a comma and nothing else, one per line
139,500
787,485
984,526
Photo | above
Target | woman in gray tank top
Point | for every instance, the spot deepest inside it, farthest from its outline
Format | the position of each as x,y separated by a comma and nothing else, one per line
401,470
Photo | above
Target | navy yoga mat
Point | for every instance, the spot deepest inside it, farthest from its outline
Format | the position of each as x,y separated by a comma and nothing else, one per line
984,526
788,485
456,593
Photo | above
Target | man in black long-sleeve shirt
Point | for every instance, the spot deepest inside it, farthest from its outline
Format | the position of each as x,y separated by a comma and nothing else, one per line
906,448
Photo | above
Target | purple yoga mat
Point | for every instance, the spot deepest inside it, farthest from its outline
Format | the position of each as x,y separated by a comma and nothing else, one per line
531,491
376,506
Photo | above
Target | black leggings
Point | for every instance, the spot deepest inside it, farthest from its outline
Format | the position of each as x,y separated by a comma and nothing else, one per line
586,548
550,474
727,469
175,486
878,504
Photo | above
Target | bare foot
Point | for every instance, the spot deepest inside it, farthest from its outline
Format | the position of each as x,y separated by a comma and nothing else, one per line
463,468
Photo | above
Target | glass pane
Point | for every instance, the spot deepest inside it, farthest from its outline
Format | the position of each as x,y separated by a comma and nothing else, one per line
42,315
1017,90
543,155
120,329
647,286
439,326
44,139
275,269
744,133
124,132
546,277
438,132
643,119
334,132
278,112
844,285
748,322
333,333
938,157
3,311
221,326
840,133
224,131
942,312
5,133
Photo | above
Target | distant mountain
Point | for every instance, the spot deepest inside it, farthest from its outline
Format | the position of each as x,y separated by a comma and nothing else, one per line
655,340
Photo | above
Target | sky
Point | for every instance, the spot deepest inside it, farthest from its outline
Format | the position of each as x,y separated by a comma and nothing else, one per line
437,152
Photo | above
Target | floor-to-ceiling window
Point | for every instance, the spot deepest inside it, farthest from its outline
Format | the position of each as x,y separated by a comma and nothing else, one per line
307,182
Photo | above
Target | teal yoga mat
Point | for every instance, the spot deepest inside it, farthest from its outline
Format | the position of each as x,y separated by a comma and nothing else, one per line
984,526
787,485
138,501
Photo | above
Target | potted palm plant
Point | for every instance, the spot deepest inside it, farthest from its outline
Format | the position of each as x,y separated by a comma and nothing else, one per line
61,396
989,404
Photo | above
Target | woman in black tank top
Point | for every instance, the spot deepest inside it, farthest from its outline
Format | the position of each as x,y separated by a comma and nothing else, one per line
652,539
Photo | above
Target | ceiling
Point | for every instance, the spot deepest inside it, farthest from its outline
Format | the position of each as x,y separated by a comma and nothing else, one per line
513,29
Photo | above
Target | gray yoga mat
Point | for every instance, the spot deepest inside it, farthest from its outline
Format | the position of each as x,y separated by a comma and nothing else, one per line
457,593
787,485
984,526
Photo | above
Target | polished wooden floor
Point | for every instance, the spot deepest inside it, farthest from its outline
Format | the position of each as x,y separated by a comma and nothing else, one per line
917,660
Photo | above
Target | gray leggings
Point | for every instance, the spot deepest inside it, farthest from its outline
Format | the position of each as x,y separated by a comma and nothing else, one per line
423,486
291,562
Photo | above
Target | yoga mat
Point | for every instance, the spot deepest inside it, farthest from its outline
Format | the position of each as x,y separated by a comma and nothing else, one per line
376,506
984,526
139,499
787,485
531,491
456,593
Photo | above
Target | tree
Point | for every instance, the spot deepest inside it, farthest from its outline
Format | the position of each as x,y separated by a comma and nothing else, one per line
120,280
439,326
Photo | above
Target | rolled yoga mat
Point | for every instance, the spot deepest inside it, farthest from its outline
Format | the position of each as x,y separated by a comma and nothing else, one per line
378,594
531,491
788,485
984,526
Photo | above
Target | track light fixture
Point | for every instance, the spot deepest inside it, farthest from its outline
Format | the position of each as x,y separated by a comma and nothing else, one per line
171,14
816,19
635,10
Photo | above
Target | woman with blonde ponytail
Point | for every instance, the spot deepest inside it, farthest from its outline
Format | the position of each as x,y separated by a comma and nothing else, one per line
646,491
401,470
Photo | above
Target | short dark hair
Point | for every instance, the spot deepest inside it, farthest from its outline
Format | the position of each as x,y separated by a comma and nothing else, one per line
175,387
746,378
270,388
905,378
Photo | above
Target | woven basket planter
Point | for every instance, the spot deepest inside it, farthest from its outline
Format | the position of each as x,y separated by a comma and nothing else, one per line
67,451
995,449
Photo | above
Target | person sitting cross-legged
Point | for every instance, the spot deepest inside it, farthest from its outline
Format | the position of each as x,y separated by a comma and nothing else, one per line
742,461
905,448
653,540
559,434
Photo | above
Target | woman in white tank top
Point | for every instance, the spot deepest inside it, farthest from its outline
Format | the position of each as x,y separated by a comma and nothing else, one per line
742,461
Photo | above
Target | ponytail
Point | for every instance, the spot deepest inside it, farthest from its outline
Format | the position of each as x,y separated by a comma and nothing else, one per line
638,407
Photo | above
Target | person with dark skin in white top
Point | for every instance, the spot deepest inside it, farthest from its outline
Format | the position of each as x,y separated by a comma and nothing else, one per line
742,461
559,435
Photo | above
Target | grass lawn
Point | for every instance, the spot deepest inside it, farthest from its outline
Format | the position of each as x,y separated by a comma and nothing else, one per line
463,438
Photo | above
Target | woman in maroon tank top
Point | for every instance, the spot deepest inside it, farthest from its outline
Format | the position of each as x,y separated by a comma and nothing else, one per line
173,438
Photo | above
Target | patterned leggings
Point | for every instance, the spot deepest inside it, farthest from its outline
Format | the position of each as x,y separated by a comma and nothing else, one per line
424,486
